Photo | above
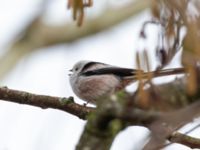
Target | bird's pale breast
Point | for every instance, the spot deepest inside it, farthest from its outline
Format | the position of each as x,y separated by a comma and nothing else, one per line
92,88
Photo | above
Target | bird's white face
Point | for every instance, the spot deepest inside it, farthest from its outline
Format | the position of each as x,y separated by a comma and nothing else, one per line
78,67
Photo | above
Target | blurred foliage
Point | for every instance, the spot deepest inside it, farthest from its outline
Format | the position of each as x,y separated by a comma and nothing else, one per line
180,27
39,34
78,9
177,17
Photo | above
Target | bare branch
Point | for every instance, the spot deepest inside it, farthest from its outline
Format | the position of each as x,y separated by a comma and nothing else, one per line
185,140
44,102
167,123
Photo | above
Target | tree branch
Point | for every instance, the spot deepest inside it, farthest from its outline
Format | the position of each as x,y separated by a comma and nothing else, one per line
158,108
44,102
185,140
113,115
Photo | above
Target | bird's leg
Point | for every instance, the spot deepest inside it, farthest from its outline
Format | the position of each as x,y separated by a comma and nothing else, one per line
86,103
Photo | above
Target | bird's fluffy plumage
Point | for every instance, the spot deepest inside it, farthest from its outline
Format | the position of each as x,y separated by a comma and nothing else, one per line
93,80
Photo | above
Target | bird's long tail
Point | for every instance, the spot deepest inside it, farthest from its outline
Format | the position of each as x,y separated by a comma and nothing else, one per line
158,73
140,75
165,72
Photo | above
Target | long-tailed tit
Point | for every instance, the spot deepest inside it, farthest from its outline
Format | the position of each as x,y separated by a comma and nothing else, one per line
92,80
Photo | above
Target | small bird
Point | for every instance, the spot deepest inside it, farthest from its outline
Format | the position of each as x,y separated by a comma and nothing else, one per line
92,80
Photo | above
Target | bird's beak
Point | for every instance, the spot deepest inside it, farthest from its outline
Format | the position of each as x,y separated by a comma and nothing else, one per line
70,72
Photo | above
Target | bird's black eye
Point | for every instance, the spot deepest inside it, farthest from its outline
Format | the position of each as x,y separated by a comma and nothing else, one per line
76,69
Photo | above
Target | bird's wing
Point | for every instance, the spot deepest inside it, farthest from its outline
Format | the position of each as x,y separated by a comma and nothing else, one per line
118,71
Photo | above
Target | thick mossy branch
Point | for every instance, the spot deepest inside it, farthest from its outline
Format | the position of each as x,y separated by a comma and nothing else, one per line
158,108
44,101
102,126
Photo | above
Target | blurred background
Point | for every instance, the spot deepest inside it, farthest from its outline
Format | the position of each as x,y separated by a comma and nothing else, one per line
39,43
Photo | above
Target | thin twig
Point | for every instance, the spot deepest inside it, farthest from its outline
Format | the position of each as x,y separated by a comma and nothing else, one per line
185,140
